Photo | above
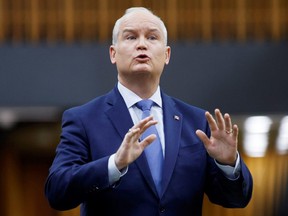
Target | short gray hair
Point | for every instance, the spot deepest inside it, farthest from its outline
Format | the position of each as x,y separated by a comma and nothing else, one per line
116,28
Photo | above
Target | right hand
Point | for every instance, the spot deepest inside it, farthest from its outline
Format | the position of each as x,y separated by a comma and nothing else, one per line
131,148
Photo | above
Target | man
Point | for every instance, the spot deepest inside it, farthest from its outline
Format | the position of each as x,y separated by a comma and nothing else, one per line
101,161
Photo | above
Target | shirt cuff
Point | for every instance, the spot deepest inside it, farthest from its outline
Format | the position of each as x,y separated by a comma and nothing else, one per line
113,173
231,172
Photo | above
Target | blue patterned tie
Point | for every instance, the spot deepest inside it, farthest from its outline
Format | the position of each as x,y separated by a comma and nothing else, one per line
153,152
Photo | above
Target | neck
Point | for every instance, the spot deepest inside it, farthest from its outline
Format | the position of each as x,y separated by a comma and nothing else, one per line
141,88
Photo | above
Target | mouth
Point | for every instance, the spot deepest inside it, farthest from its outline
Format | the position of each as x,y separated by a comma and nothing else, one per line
142,58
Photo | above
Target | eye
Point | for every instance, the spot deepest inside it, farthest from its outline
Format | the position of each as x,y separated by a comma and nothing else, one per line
130,37
152,37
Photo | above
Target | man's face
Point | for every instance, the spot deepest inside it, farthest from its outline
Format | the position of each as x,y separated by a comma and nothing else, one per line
140,48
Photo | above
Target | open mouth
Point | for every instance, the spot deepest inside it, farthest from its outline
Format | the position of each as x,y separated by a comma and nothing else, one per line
142,58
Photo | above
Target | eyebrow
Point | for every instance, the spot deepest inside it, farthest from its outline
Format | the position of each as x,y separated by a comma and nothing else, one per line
134,30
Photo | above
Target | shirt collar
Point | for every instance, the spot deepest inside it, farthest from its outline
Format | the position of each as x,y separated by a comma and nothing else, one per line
131,98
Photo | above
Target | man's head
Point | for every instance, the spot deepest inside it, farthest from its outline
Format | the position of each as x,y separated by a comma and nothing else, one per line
139,47
115,32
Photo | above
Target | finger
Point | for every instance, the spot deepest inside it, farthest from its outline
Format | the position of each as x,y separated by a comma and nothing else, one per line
147,125
148,140
211,121
144,121
133,134
219,119
235,132
228,122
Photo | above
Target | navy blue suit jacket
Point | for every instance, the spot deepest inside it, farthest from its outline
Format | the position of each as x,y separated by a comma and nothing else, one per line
91,133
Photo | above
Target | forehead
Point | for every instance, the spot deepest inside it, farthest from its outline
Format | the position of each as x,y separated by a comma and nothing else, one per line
141,21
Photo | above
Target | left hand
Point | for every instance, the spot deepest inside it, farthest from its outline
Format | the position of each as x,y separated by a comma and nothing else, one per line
222,145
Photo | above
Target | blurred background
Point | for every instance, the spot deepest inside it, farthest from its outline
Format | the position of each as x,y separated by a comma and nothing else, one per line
230,54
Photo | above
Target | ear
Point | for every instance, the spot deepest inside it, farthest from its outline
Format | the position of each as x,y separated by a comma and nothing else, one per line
167,55
112,53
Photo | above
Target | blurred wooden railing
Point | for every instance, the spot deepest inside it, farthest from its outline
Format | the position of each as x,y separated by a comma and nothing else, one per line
35,21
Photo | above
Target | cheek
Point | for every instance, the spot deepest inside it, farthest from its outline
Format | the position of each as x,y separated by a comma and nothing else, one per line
124,55
161,57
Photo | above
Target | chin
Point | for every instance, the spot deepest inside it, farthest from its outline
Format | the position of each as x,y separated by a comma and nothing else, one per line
143,69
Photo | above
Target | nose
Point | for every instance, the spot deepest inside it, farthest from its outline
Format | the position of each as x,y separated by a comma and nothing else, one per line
142,43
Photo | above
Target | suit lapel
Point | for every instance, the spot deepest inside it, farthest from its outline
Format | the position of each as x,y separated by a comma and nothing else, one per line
118,113
172,120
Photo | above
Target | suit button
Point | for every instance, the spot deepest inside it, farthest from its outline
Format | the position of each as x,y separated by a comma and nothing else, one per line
162,209
93,188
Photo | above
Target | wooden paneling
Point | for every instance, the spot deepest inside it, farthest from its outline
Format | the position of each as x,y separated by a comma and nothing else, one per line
92,20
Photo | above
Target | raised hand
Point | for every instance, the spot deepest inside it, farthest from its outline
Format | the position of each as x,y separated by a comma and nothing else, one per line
131,148
222,144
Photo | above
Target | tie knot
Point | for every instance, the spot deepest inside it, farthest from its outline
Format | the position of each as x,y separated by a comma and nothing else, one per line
144,104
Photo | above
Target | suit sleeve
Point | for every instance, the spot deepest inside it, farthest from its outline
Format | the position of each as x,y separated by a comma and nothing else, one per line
73,176
229,193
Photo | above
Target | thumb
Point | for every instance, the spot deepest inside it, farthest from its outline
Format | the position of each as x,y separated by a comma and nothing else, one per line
203,137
